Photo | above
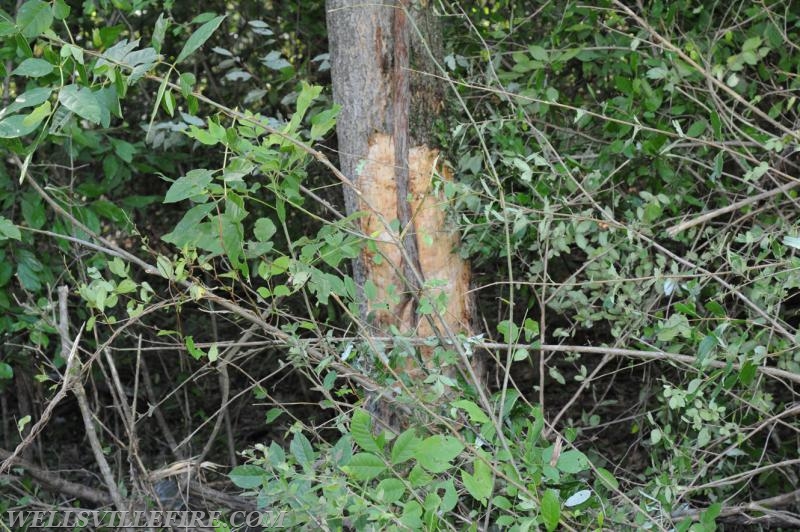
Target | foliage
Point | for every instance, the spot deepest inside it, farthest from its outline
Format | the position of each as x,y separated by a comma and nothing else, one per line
168,165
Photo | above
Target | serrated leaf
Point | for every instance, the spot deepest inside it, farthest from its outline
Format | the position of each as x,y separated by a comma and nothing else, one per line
412,515
199,37
361,431
390,490
246,476
436,452
302,450
405,447
8,230
81,101
676,325
364,466
479,484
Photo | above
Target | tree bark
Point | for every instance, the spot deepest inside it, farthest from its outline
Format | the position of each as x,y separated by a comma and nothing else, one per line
380,55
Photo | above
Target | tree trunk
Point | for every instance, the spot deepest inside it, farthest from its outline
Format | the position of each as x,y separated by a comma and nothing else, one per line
380,54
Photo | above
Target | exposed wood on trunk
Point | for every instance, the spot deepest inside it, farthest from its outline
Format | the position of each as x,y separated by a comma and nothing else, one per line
384,131
435,241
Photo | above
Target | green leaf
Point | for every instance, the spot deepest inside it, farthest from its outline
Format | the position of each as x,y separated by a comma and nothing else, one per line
61,10
578,498
33,68
36,116
213,352
186,231
436,452
551,509
655,436
710,514
6,371
531,329
432,502
264,229
479,484
6,272
696,129
15,126
405,447
30,98
520,354
34,17
272,415
412,515
537,52
476,415
364,466
29,271
361,431
791,241
572,462
159,32
164,266
389,490
81,101
323,122
307,95
676,325
747,373
22,423
247,476
126,286
192,184
751,44
8,230
196,353
706,347
199,37
302,450
607,478
509,330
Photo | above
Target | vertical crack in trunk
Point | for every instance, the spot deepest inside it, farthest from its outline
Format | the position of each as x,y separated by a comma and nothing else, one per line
401,104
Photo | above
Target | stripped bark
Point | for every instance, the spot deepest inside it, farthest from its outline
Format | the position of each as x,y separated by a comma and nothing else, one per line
379,56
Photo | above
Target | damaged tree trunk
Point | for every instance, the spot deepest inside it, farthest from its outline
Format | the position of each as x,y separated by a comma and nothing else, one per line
380,55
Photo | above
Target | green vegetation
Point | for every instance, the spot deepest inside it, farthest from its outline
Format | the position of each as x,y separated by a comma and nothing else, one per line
626,190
